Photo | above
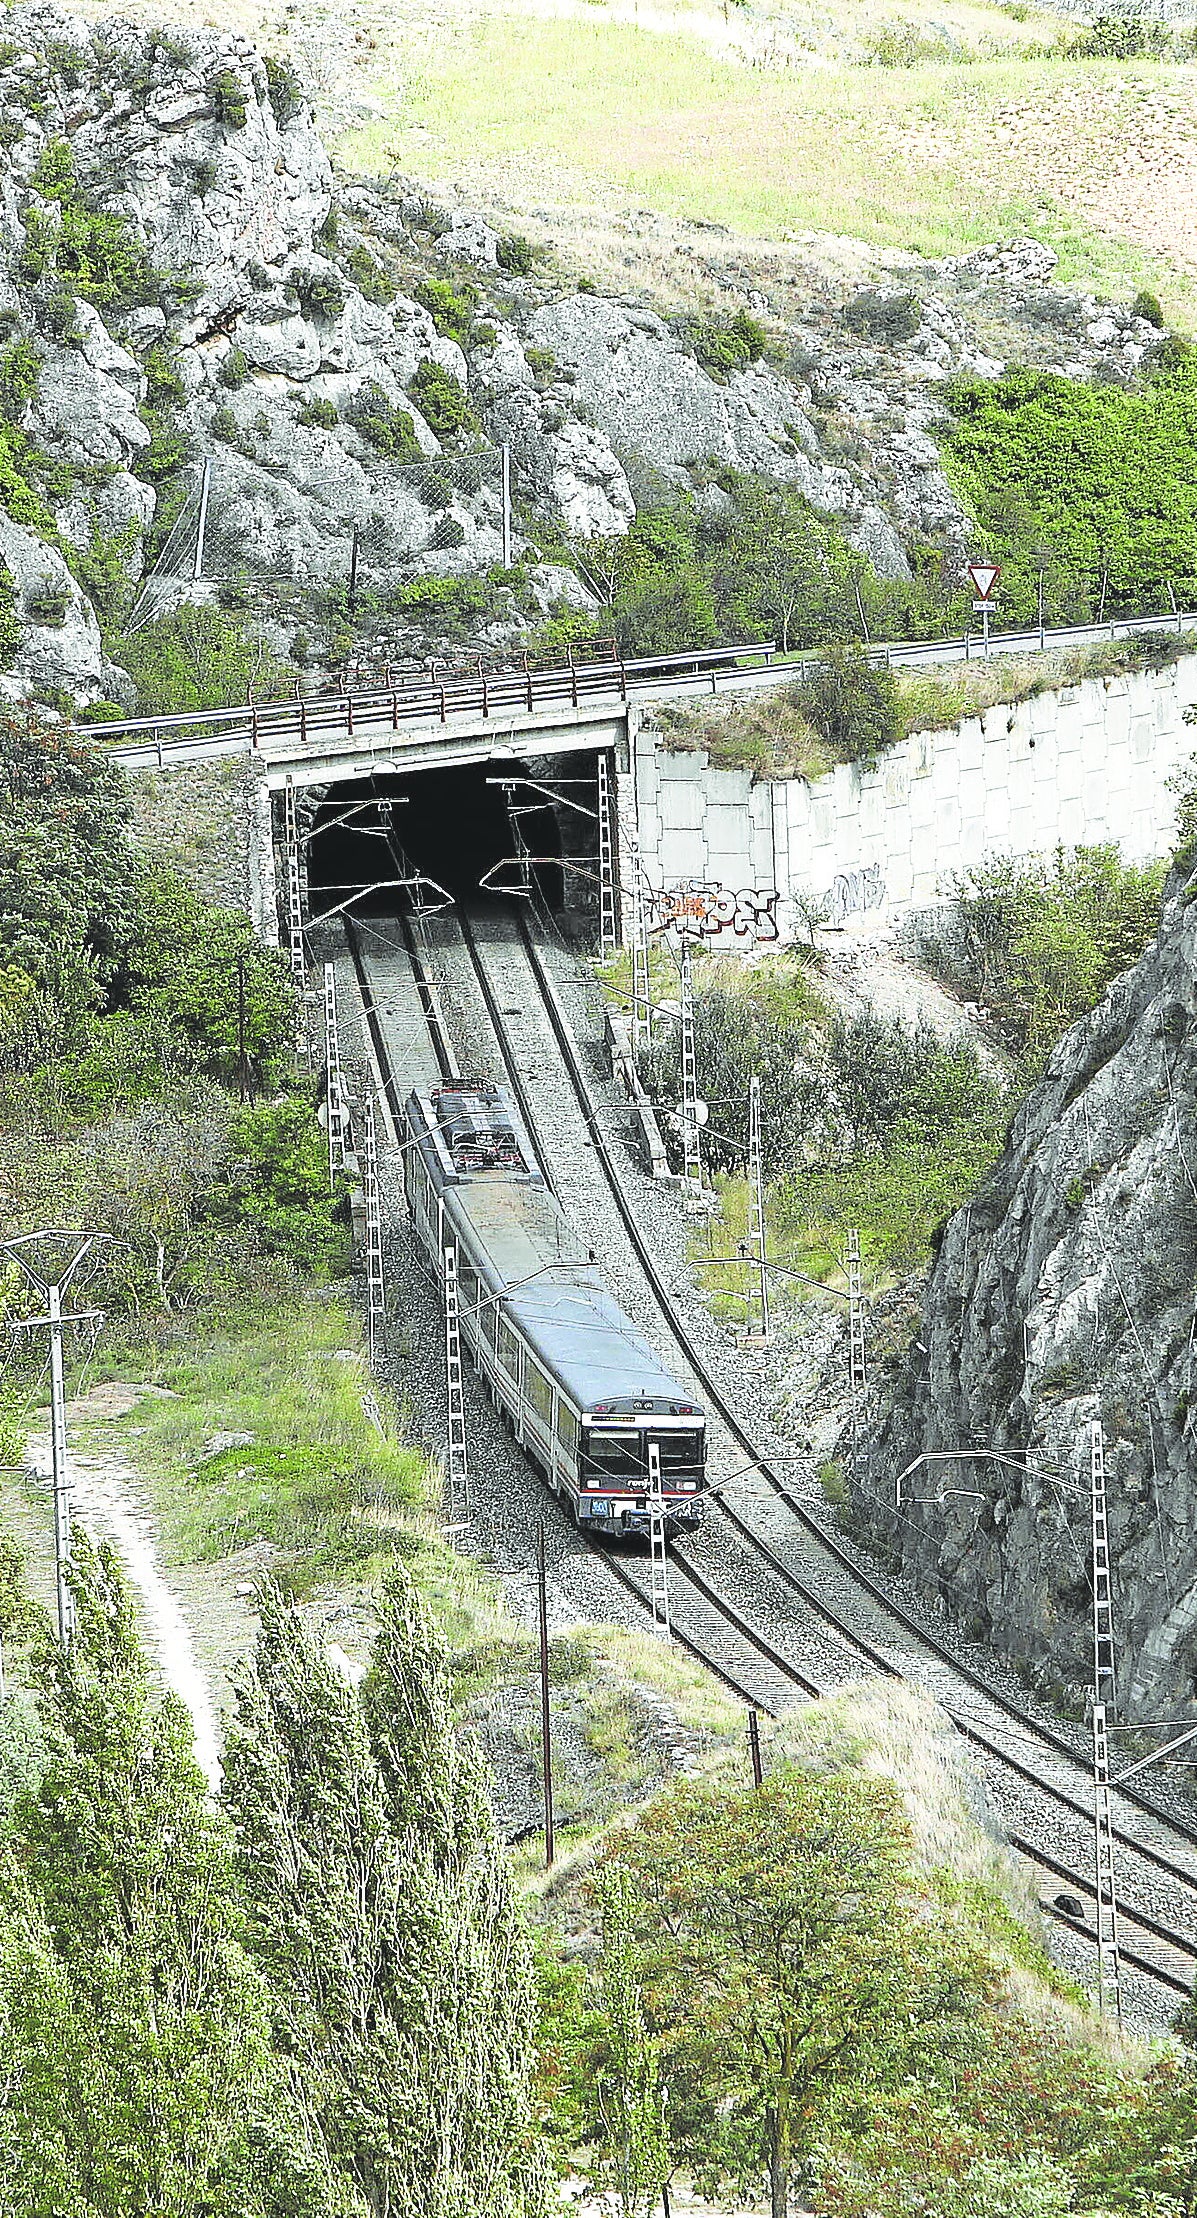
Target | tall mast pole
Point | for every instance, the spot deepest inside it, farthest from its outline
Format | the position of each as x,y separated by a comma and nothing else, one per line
757,1230
457,1468
691,1145
1109,1983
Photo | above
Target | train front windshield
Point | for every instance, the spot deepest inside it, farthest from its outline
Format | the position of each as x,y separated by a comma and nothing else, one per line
621,1455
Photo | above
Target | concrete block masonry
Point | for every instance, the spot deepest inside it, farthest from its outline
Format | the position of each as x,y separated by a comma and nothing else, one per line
863,846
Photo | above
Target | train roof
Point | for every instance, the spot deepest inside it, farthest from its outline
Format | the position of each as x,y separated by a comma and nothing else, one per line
468,1132
586,1340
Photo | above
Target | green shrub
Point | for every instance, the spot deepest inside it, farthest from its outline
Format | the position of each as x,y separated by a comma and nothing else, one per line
284,91
321,294
1102,476
448,603
235,370
516,255
278,1183
1041,941
1146,306
92,253
370,278
204,172
230,105
541,361
11,628
387,426
164,382
18,378
224,426
441,400
1120,37
56,316
887,317
851,705
47,602
451,308
321,415
199,658
168,449
725,344
448,533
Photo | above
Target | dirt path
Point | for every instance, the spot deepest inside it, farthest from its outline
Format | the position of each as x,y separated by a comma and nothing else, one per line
106,1499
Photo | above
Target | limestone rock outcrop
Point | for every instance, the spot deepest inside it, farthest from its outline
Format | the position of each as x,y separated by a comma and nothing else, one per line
183,279
1061,1297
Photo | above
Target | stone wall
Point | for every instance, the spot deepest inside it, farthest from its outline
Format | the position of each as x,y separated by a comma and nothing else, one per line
211,822
863,848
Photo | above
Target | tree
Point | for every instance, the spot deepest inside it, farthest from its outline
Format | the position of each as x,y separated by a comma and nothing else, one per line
66,862
200,658
382,1916
141,2076
781,1955
851,705
780,571
628,2094
181,963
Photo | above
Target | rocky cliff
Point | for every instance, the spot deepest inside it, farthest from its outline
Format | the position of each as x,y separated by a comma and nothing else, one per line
1064,1294
183,278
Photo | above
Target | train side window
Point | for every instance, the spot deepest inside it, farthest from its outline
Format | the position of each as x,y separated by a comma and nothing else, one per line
509,1349
467,1279
539,1393
567,1429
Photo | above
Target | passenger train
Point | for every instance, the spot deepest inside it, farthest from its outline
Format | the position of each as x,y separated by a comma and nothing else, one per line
586,1395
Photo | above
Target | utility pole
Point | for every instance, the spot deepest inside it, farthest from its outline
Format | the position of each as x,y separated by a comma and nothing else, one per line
295,919
334,1084
202,524
757,1230
506,454
242,1061
353,555
754,1748
1109,1985
375,1288
642,1027
656,1539
457,1469
691,1145
23,1252
546,1726
856,1340
608,934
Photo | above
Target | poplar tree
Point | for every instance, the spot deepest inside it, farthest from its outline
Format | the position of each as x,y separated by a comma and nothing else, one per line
135,2056
383,1916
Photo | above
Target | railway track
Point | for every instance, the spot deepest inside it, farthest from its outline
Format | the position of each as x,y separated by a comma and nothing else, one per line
712,1627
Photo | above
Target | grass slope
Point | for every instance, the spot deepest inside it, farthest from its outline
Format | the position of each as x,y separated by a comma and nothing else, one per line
932,158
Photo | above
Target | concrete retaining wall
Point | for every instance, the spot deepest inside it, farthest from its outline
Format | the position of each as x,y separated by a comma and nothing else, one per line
861,848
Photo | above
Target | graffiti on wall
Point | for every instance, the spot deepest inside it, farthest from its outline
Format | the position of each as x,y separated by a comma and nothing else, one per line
851,891
709,910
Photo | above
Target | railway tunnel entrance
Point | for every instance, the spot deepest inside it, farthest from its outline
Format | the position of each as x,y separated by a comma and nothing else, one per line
476,829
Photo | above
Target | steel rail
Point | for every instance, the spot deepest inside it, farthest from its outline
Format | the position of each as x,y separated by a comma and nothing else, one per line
722,1667
1178,1873
755,1641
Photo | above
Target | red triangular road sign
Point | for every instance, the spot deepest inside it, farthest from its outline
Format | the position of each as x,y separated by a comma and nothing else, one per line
984,576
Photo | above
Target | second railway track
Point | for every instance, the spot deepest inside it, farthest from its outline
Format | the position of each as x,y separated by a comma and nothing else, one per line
506,968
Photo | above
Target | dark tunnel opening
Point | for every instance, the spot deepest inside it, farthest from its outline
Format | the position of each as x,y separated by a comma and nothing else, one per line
456,827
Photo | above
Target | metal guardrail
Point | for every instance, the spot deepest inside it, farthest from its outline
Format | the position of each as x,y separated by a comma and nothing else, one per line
418,701
422,701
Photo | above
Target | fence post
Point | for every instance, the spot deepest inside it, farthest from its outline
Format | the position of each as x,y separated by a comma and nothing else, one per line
485,703
443,718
